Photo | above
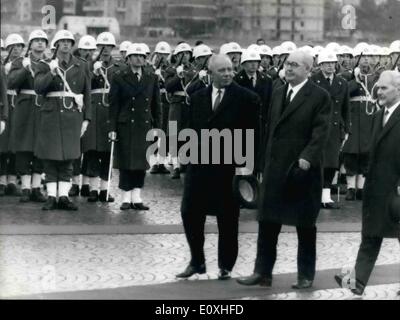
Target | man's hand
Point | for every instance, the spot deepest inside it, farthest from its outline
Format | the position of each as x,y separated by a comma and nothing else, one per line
282,74
346,137
179,71
357,73
26,63
7,68
2,126
53,66
112,135
158,72
96,67
304,164
202,74
85,124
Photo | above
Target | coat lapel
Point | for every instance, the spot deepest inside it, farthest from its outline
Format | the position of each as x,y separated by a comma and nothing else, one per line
136,86
393,120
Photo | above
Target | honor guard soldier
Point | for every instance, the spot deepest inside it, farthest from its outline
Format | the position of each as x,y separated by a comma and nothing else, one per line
276,52
134,110
201,79
234,52
160,64
176,79
340,120
345,58
394,54
3,119
286,48
64,83
8,176
123,47
362,108
26,119
96,144
385,58
86,49
267,64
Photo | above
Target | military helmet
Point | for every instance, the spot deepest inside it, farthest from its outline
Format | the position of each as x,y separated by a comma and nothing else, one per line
253,47
123,47
346,50
106,39
287,47
87,42
333,46
363,48
308,49
63,35
317,50
136,48
375,50
146,47
276,51
2,44
182,47
385,51
234,47
265,50
38,34
163,47
327,55
395,47
13,39
250,55
201,50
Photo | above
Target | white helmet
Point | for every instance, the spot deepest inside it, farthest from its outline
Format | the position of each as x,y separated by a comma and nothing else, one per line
395,47
250,55
375,50
13,39
201,50
333,46
253,47
287,47
224,48
87,42
327,55
265,50
317,50
124,46
106,39
38,34
136,48
52,45
234,47
163,47
146,48
308,49
2,44
182,47
346,50
63,35
361,47
276,51
385,51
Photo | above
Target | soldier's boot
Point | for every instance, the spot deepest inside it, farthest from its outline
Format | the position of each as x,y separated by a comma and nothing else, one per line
37,195
93,196
74,191
65,204
351,194
85,190
26,196
162,169
176,174
359,194
154,169
51,204
12,190
2,190
103,196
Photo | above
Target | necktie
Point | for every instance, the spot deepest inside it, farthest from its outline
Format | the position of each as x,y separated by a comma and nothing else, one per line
329,81
253,81
287,100
217,99
137,76
385,117
64,64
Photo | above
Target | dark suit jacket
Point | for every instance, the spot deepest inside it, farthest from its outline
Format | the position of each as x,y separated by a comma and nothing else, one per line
299,132
208,187
383,178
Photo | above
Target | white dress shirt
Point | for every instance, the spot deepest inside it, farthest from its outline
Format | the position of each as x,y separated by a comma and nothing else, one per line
138,72
296,88
214,95
389,111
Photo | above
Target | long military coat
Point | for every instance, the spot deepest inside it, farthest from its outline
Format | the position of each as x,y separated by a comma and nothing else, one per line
3,101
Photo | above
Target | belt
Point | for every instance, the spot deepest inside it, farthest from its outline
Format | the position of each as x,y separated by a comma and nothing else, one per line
30,92
361,99
100,91
12,92
55,94
179,93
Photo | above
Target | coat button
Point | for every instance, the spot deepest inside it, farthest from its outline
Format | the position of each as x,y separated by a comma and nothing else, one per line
147,121
336,112
132,121
99,103
337,101
146,110
133,109
61,110
335,123
133,98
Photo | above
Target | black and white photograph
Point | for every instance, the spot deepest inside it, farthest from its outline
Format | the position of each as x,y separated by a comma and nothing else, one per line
215,151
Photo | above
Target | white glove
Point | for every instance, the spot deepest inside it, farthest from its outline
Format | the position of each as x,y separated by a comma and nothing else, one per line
357,72
179,71
2,126
53,66
26,63
261,69
202,74
7,68
112,135
158,72
282,74
85,124
96,67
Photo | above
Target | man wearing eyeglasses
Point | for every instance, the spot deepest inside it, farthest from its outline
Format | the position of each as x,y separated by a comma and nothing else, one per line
297,129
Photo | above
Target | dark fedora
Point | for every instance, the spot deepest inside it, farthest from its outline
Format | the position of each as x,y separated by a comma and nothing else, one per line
297,183
394,208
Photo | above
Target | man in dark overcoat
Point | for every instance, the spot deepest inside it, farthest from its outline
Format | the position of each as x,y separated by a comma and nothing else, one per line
135,108
224,105
297,130
382,186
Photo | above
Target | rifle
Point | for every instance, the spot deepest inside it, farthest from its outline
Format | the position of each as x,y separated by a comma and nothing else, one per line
397,60
99,56
357,63
28,50
9,55
180,60
55,53
160,62
281,65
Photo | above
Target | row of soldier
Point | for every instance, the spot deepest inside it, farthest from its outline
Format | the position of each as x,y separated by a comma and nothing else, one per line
64,110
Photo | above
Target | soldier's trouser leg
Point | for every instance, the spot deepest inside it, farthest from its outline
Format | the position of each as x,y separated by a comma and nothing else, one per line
93,169
131,179
59,172
85,177
104,167
3,168
76,170
23,164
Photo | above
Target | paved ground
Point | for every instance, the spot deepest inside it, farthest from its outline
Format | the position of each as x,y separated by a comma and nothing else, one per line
101,252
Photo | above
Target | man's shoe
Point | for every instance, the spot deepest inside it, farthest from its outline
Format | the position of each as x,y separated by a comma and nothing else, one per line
351,194
125,206
162,169
191,270
85,190
93,196
103,196
359,287
224,274
74,191
37,196
2,190
330,205
139,206
154,169
176,174
12,190
359,194
302,284
51,204
26,196
65,204
255,279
